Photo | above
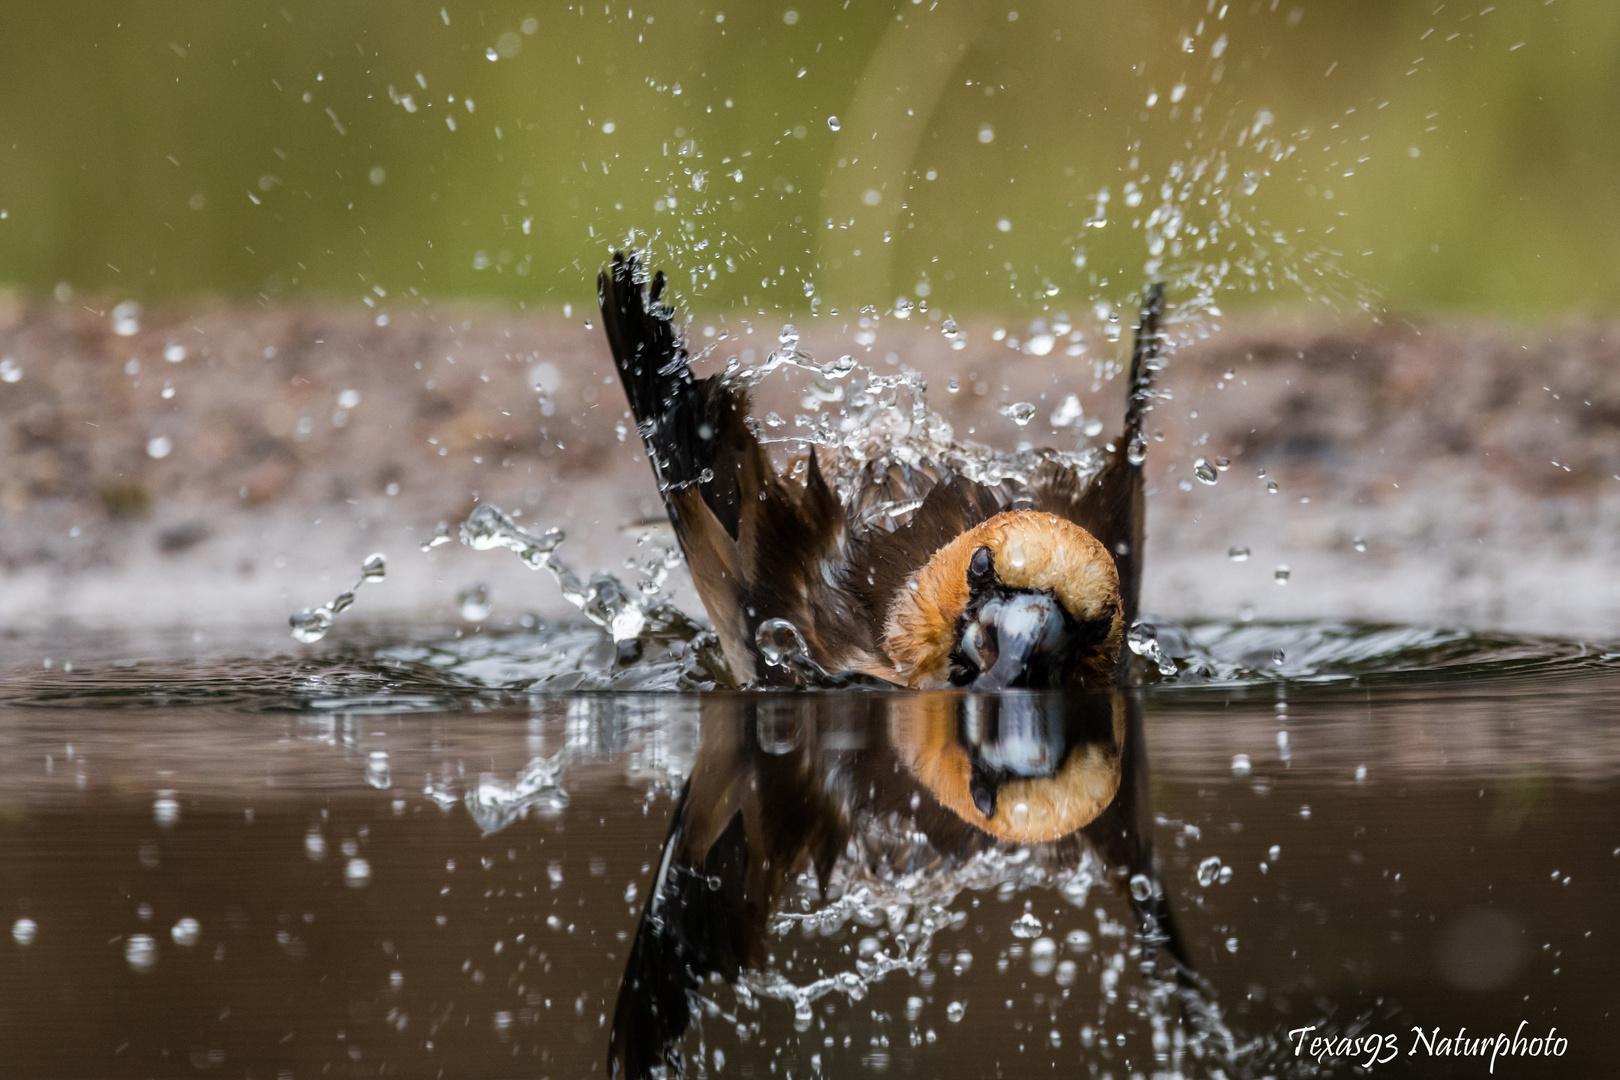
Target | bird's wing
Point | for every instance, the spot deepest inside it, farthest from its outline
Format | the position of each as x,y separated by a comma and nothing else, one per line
1110,505
759,546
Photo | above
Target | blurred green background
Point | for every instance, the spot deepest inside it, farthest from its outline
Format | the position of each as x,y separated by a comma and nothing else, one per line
807,154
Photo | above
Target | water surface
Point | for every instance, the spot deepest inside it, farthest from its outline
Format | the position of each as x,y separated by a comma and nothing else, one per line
415,854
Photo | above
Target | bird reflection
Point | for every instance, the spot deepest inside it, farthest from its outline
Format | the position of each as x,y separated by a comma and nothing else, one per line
787,784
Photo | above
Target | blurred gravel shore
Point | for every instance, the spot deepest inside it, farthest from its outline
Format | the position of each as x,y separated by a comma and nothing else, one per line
225,464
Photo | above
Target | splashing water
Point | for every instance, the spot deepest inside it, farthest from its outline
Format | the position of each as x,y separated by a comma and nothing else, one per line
1143,639
311,624
861,421
626,614
494,804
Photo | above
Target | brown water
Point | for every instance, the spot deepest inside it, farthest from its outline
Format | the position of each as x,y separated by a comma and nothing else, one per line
404,866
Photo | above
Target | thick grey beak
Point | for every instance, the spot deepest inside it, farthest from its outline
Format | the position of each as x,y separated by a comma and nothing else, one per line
1029,635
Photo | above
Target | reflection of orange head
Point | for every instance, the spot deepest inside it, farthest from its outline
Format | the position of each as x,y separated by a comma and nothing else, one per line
1031,550
925,733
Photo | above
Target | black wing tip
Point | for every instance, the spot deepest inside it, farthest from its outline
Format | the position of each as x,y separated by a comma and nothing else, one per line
628,269
1145,352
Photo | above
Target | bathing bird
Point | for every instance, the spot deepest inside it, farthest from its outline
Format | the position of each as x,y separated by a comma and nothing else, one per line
1027,583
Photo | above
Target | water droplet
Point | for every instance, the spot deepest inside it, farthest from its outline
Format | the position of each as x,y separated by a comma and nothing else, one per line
126,319
1136,451
1027,926
1143,639
1204,471
1092,427
378,775
474,603
140,952
23,932
1040,344
788,337
1280,575
184,933
781,644
1231,944
166,809
315,845
1078,941
1271,487
1020,412
1141,887
1066,972
1359,544
348,399
1068,413
955,1011
1209,871
832,122
1305,812
1240,765
839,368
10,370
1361,774
310,624
158,447
357,873
1223,463
441,535
375,568
987,133
1042,956
1238,554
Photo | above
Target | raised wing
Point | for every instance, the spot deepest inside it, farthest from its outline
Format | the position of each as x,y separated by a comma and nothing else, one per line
759,546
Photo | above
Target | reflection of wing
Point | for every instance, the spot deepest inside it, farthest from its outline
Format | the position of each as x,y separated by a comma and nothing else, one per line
688,929
746,821
1123,838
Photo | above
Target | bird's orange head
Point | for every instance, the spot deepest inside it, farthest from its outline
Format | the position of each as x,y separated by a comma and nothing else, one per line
1025,599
